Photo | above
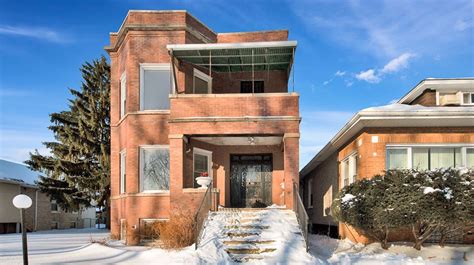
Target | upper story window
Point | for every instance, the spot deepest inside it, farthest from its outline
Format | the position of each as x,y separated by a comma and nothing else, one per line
154,168
246,86
123,94
455,98
468,99
202,83
349,169
155,86
429,157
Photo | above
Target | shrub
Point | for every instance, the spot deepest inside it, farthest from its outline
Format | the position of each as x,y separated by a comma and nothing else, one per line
177,233
426,201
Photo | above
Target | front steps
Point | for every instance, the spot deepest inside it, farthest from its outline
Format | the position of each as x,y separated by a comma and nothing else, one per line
247,235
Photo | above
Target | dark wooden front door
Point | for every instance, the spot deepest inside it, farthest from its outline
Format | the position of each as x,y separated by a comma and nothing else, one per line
251,181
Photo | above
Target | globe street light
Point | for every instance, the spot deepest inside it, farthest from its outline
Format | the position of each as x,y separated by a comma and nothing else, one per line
23,202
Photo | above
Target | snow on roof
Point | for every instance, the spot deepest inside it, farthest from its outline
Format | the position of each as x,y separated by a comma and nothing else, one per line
393,115
14,171
397,107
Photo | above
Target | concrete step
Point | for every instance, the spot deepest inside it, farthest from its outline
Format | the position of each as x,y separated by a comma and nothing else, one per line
241,258
247,242
261,227
242,234
249,250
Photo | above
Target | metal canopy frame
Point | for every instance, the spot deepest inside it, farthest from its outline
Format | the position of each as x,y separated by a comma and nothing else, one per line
236,57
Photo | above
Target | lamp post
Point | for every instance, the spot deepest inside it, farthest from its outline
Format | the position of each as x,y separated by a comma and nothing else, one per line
23,202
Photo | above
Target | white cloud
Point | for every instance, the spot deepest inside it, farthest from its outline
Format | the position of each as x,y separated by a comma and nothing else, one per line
340,73
34,32
336,74
398,63
368,76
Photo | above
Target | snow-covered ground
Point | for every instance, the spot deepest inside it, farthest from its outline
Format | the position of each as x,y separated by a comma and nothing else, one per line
74,246
334,251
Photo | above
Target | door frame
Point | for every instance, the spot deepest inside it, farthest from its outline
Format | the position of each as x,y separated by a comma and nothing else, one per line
257,162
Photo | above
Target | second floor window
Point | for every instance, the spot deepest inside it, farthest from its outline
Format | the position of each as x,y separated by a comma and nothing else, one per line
155,86
246,86
123,94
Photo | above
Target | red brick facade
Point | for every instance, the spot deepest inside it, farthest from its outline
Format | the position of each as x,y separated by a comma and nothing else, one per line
372,157
142,39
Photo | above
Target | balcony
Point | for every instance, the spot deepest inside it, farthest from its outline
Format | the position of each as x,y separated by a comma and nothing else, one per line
266,113
218,106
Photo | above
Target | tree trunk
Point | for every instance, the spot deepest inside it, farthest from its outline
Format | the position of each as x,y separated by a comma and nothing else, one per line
442,239
384,242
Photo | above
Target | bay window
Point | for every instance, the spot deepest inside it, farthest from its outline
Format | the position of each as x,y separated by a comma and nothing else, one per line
155,86
154,168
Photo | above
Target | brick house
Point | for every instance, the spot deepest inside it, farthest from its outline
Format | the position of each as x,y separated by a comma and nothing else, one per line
186,101
432,126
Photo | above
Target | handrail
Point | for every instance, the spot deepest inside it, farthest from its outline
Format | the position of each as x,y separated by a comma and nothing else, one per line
201,215
301,215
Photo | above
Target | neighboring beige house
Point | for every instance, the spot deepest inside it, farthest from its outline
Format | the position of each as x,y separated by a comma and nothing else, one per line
44,214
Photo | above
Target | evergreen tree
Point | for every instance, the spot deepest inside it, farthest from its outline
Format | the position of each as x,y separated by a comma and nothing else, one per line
77,172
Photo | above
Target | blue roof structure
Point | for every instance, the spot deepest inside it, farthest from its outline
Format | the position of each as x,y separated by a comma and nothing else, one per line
14,171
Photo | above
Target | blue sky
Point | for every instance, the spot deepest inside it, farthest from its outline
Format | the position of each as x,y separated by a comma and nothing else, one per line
351,54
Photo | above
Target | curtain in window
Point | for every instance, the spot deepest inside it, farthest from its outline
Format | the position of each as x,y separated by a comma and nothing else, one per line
470,157
156,169
345,171
397,158
420,158
441,157
156,90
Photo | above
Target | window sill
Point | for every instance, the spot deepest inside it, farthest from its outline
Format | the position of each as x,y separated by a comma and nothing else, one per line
194,190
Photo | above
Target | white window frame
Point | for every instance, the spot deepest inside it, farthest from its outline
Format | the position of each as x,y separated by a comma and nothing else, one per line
156,67
351,161
310,192
203,152
470,98
410,147
205,77
123,94
123,171
140,149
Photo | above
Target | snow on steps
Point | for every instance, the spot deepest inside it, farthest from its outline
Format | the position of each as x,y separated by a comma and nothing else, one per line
256,235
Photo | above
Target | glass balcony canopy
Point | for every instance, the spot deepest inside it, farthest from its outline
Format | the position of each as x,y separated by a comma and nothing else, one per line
237,57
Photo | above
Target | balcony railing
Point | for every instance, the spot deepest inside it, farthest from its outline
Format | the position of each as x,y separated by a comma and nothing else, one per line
234,105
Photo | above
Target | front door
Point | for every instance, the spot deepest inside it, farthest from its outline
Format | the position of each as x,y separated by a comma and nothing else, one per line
251,181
